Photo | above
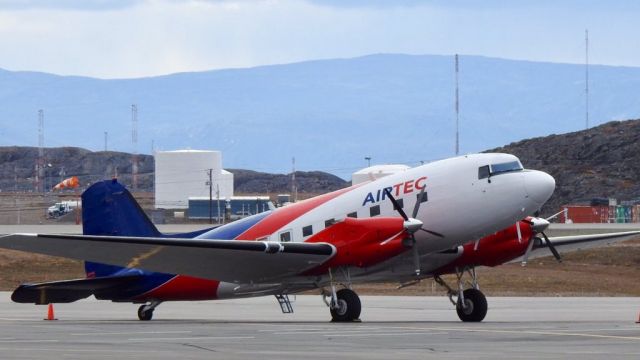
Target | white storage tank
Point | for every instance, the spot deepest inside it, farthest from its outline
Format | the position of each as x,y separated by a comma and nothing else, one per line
376,172
183,173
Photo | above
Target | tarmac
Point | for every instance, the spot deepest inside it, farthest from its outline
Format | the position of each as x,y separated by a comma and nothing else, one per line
392,328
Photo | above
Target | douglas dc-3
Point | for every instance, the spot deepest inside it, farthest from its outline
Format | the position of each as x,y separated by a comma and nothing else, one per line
465,212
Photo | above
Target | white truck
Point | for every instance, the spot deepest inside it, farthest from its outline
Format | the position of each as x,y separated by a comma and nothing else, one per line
61,208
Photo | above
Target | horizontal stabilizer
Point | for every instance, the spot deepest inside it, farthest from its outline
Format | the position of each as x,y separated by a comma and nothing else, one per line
67,291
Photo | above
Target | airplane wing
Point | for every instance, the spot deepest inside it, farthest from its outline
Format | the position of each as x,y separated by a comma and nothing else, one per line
566,244
237,261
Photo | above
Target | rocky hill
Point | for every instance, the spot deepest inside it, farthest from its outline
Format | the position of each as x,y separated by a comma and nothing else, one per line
17,171
600,162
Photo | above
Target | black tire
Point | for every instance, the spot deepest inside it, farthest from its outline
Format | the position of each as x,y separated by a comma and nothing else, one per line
144,315
350,306
476,306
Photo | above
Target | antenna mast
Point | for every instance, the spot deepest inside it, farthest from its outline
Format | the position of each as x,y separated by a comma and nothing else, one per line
457,112
134,141
586,76
294,188
40,161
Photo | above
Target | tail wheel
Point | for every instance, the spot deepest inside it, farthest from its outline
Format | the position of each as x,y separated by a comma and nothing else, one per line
145,314
475,306
348,306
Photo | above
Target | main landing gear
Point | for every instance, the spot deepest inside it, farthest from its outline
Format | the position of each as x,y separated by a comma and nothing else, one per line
471,304
145,312
343,304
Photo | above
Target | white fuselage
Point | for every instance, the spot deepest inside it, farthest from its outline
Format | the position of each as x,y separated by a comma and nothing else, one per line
462,204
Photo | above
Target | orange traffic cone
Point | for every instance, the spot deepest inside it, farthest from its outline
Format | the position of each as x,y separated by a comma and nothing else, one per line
50,315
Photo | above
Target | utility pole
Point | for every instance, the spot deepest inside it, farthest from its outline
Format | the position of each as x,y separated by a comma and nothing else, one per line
368,158
457,112
210,183
586,76
294,188
40,161
218,201
134,141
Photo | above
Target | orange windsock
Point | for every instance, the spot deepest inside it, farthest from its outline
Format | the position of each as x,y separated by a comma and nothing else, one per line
71,182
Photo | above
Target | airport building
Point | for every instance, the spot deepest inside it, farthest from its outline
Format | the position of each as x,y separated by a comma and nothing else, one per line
232,208
182,174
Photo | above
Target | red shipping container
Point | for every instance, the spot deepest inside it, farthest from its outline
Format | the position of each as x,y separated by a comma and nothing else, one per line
584,214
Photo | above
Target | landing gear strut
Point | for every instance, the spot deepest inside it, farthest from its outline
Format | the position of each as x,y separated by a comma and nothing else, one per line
471,304
145,312
344,304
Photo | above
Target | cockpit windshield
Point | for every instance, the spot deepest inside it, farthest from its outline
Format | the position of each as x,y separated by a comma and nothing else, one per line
496,169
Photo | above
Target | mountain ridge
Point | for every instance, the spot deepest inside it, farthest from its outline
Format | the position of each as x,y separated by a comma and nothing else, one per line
328,114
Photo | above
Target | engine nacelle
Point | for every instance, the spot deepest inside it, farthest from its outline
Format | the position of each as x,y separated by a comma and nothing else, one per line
493,250
363,242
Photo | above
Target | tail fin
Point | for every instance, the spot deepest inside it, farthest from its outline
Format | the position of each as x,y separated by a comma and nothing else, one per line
108,208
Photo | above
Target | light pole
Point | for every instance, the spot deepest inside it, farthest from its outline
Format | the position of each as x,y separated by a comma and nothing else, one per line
368,158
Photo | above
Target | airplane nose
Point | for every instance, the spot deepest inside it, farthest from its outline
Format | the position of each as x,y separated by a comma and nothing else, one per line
539,185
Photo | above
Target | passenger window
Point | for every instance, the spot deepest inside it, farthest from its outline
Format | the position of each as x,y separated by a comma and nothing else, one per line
307,231
285,236
374,210
352,215
424,197
483,172
329,223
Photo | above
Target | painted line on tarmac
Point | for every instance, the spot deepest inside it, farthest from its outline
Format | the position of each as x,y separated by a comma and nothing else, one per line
27,341
191,338
528,332
387,334
130,333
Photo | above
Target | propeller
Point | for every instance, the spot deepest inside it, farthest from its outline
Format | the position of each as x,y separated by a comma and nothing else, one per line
539,225
412,225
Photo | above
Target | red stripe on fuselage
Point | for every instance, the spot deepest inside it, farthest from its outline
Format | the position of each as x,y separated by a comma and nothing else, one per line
287,214
183,287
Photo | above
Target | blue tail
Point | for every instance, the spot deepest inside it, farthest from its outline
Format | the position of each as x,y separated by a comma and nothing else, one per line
108,208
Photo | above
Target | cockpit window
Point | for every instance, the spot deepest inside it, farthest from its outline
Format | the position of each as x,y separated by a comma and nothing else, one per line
505,167
496,169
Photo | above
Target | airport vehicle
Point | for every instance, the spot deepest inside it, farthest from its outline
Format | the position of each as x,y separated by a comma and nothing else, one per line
463,215
61,208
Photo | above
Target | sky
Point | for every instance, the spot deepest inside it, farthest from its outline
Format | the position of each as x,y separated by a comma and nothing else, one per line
140,38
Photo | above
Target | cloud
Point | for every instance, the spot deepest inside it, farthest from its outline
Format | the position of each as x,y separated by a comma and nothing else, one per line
86,5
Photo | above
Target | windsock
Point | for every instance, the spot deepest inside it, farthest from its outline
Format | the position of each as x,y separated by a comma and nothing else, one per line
71,182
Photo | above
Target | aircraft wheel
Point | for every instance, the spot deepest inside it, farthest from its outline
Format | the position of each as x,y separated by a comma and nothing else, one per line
348,308
475,308
144,314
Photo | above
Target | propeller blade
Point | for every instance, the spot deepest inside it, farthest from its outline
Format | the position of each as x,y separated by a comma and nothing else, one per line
525,258
432,232
396,206
551,247
416,256
554,215
418,202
